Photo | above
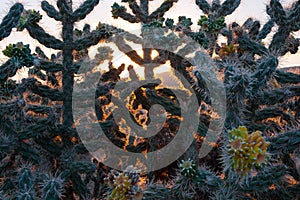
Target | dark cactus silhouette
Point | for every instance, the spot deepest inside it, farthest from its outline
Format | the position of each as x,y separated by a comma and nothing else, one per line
256,155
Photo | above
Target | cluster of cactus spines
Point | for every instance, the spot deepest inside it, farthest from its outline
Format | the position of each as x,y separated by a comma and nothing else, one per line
188,168
124,184
52,187
20,53
11,20
246,151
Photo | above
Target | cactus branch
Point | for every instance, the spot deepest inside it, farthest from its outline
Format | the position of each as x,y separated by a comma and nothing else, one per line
44,38
132,54
138,12
159,12
92,39
204,6
10,20
277,13
267,28
279,39
84,9
51,11
66,8
228,7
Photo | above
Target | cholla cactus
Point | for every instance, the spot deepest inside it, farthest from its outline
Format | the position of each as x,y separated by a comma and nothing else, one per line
246,150
123,184
37,122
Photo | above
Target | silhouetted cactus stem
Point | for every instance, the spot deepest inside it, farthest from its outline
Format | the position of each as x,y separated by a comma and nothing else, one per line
10,20
51,11
38,33
84,9
204,6
160,11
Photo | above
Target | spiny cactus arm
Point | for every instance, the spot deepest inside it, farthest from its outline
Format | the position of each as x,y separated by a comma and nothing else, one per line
294,13
52,94
287,142
78,185
84,9
209,179
44,91
125,48
51,11
91,39
263,74
247,44
82,167
37,73
204,6
8,69
37,132
254,29
279,39
41,109
65,8
296,18
278,95
287,77
40,53
28,152
50,66
160,12
292,168
227,32
144,4
215,5
38,33
120,11
291,45
273,112
264,179
138,12
38,128
267,28
25,178
248,23
10,20
278,13
228,7
170,106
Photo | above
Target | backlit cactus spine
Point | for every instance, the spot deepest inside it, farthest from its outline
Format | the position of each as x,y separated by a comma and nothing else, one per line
246,150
